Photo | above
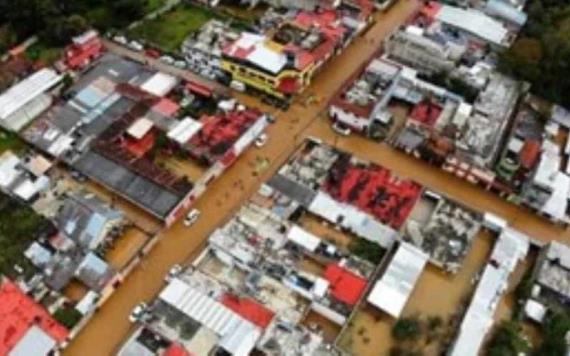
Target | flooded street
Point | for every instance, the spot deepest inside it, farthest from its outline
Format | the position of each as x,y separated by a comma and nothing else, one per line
435,294
539,228
108,328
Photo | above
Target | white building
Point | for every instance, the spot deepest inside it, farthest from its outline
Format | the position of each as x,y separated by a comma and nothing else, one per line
510,249
393,290
26,100
411,47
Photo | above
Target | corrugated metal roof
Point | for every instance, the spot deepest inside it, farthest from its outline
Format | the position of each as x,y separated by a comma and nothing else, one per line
26,90
474,22
392,291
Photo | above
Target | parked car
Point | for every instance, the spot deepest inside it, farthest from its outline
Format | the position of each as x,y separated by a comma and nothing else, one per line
79,177
341,129
261,140
136,46
152,53
173,272
120,40
180,64
167,59
191,217
138,311
237,85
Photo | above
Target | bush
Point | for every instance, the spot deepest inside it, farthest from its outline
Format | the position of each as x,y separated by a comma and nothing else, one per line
555,328
366,250
407,329
507,340
68,316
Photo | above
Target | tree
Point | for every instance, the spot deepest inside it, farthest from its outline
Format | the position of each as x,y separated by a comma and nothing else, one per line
67,316
555,328
128,9
507,340
366,250
407,329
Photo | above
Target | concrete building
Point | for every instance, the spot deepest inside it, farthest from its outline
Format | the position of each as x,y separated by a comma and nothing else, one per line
394,288
361,103
509,250
284,63
26,100
552,273
412,48
298,4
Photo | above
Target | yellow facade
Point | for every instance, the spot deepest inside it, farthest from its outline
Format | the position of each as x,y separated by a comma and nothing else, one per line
263,81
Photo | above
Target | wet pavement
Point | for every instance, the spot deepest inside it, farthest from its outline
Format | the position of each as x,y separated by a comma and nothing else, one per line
109,327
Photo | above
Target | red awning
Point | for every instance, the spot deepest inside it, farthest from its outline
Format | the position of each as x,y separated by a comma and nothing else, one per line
346,286
249,309
289,85
199,89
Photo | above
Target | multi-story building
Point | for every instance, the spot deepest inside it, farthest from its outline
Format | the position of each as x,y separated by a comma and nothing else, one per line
283,63
412,48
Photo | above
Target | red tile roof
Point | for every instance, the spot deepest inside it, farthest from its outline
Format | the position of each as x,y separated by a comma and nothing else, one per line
18,313
249,309
426,113
374,190
199,89
166,107
346,286
288,85
530,153
176,350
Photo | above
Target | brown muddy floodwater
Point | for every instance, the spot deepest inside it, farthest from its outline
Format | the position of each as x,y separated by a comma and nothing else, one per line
436,294
109,327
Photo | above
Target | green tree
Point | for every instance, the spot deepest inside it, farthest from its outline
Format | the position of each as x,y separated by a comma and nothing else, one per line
507,340
407,329
555,328
68,316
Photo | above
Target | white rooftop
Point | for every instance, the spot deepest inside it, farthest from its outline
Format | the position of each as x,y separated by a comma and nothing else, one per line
351,218
258,52
474,22
159,84
303,238
8,171
184,130
393,290
511,247
25,91
34,342
238,335
140,128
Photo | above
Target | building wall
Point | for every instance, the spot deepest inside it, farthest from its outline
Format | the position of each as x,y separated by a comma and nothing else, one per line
348,118
409,50
263,81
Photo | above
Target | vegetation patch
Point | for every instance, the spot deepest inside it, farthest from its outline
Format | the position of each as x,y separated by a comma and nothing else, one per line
169,30
19,227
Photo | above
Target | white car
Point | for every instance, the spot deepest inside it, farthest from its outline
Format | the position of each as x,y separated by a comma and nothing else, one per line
261,140
136,46
191,218
120,40
237,85
180,64
138,312
167,60
341,129
173,272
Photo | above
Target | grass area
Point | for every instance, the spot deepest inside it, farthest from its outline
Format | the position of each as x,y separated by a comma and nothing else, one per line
19,226
169,30
9,141
44,53
103,18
